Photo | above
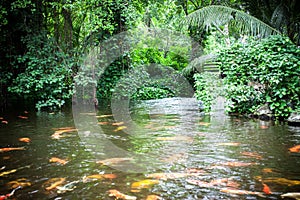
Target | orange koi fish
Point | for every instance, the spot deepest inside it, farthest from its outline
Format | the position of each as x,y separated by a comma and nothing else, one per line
58,160
266,189
104,116
119,195
113,161
153,197
55,182
103,123
117,123
176,138
11,149
99,177
295,149
240,192
237,164
22,117
58,132
165,176
229,144
25,139
21,182
252,154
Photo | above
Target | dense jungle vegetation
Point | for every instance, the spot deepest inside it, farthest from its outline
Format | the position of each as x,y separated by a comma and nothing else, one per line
43,44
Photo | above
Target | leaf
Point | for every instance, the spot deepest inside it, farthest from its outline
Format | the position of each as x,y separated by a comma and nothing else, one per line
217,16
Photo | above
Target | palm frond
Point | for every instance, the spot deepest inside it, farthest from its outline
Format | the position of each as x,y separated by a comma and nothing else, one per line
216,15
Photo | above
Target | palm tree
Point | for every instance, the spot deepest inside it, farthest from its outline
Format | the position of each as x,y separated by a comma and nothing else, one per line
221,16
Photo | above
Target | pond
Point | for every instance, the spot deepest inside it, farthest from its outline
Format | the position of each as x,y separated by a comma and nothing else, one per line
165,149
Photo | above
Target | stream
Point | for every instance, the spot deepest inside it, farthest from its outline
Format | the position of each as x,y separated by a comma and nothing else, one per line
165,149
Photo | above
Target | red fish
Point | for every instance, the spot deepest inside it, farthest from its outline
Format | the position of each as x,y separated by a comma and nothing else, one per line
266,189
4,122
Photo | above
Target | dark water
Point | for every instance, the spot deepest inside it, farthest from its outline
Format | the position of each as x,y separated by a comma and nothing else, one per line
197,156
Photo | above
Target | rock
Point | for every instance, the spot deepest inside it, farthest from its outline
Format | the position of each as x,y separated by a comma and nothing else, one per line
264,112
294,119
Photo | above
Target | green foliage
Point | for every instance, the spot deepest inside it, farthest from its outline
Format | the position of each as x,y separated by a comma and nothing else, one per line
259,72
176,58
208,88
47,77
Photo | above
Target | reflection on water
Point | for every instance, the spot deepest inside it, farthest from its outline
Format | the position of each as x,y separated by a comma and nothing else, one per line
196,156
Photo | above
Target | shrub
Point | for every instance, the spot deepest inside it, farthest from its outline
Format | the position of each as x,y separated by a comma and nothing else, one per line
262,72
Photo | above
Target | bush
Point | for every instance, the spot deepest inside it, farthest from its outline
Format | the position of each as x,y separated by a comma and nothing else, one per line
47,79
262,72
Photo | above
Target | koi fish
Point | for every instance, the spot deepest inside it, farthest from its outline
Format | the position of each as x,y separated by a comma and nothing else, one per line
217,182
176,138
117,123
295,149
4,122
113,161
229,144
237,164
57,133
103,123
147,183
3,197
252,154
22,117
120,128
13,170
241,192
67,188
282,181
11,149
153,197
25,139
204,123
166,176
266,189
99,177
58,160
292,195
268,170
104,116
54,183
119,195
21,182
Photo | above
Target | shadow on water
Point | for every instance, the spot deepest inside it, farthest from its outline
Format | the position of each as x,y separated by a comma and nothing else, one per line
198,156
